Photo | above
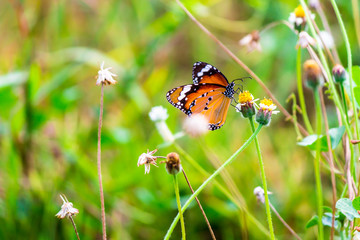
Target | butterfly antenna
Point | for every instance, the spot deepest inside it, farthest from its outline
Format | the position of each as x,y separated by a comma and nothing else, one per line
241,79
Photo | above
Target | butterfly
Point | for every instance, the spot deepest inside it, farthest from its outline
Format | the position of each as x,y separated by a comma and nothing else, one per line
210,95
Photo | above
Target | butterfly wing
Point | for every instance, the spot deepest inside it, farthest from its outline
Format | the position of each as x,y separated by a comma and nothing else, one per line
206,73
206,99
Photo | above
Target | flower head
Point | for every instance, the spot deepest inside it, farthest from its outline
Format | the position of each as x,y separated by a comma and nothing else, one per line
339,73
105,76
158,113
196,125
312,72
67,209
246,104
173,165
305,40
266,109
260,194
147,159
252,41
298,19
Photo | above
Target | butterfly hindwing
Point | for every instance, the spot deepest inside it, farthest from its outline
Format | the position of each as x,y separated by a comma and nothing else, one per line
206,73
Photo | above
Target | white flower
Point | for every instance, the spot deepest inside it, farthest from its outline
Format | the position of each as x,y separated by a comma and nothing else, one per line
147,159
105,76
327,38
67,209
260,194
196,125
295,20
305,40
251,41
158,113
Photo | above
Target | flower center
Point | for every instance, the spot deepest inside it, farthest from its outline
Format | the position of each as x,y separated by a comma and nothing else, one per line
299,12
266,102
245,97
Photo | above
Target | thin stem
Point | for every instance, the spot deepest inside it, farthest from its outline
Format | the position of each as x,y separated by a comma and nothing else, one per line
176,185
285,223
99,163
344,101
74,226
332,88
317,164
240,203
349,58
207,181
263,177
201,208
301,93
243,65
332,167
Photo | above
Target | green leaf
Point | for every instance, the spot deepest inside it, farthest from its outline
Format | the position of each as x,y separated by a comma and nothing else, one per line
312,222
336,135
356,75
344,205
356,203
357,95
327,220
335,138
13,78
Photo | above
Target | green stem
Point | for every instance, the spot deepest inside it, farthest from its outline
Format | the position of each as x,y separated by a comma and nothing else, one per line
332,85
349,58
239,202
344,100
262,170
301,93
176,185
317,164
207,181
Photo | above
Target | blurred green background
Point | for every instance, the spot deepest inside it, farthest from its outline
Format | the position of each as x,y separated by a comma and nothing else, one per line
50,54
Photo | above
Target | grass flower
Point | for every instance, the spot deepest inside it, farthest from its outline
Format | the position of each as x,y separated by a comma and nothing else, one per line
305,40
313,75
147,159
105,76
158,115
266,109
196,125
340,75
251,41
173,165
260,194
246,104
67,209
298,19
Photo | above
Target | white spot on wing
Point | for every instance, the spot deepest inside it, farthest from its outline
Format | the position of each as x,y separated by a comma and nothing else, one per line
183,92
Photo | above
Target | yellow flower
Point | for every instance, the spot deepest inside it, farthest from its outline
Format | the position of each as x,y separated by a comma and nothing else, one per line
299,12
246,104
266,109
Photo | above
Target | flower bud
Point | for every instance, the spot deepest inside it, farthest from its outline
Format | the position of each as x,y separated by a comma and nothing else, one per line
246,104
173,165
312,73
263,116
339,73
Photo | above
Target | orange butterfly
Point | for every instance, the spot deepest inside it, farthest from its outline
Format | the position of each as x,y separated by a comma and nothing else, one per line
210,95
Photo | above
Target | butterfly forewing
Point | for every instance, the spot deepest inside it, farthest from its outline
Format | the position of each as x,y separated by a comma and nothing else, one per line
210,95
206,73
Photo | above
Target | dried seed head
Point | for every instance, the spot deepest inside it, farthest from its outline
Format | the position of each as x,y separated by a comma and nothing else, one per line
312,73
173,165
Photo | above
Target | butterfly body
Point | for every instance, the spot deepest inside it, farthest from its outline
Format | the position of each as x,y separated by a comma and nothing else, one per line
210,95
